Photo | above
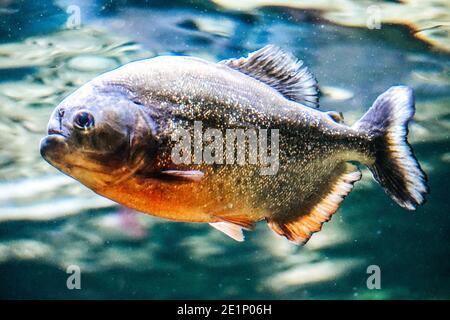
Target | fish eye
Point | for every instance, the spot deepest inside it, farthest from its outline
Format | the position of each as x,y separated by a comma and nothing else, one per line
84,120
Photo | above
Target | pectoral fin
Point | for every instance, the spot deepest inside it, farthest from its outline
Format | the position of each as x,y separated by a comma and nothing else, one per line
180,176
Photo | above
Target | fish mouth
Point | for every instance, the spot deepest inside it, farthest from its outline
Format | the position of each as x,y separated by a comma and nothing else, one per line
53,132
54,147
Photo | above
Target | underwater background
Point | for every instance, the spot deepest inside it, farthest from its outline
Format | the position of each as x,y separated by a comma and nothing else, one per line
356,49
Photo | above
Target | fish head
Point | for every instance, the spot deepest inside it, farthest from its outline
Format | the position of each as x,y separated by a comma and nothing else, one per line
98,135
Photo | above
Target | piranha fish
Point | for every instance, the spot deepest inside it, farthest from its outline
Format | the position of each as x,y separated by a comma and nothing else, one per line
114,136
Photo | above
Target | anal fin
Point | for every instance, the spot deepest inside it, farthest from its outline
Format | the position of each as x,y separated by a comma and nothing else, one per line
300,230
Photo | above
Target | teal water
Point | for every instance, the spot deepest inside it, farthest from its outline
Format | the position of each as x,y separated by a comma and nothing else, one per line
49,221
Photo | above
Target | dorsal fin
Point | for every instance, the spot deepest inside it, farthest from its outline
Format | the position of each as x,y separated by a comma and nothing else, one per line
281,71
300,230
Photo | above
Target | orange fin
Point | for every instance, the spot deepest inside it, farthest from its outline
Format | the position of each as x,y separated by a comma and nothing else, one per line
299,231
232,230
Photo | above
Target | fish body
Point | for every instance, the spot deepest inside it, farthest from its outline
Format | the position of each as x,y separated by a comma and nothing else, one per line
116,135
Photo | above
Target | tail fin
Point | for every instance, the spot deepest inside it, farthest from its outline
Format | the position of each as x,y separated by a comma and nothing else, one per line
395,168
